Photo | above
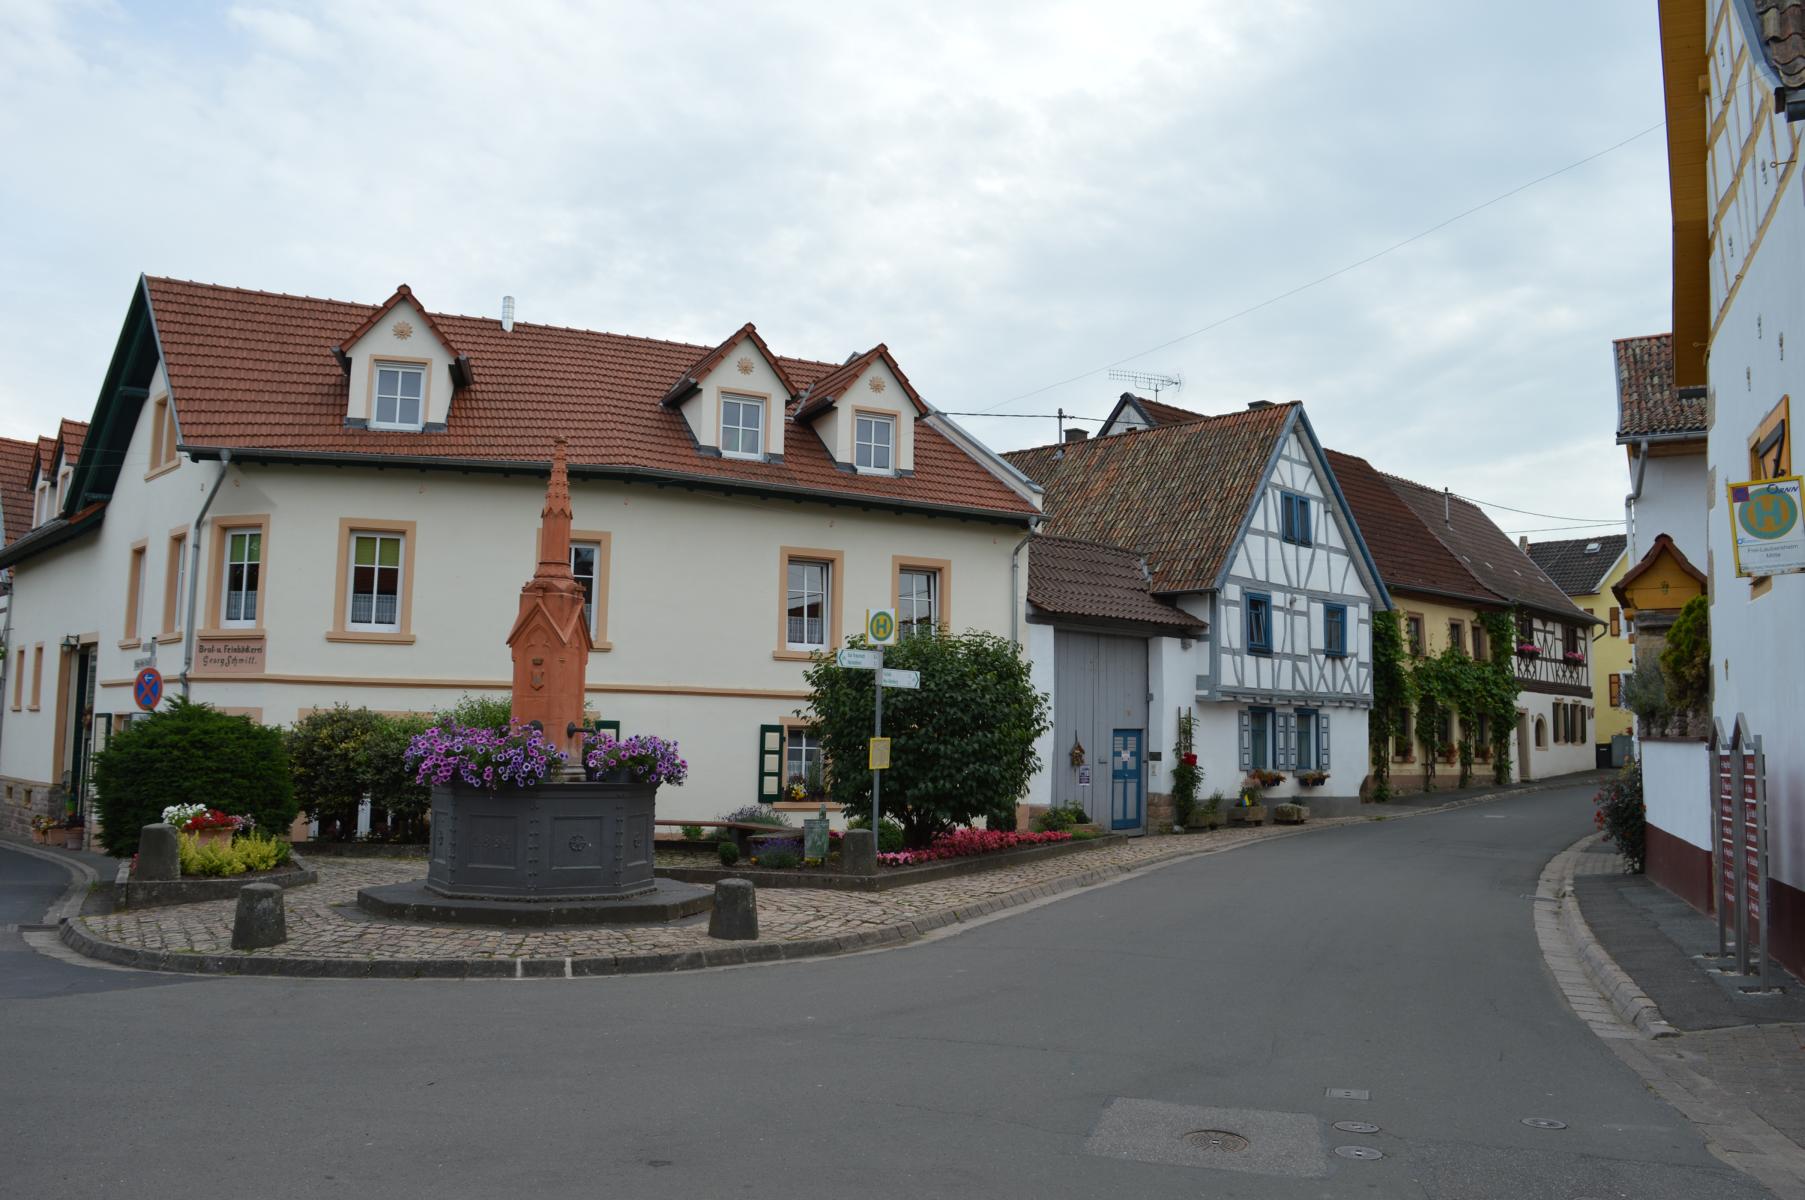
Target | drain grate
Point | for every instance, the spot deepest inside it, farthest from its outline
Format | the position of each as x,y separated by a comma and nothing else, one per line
1544,1123
1356,1127
1218,1141
1347,1093
1363,1153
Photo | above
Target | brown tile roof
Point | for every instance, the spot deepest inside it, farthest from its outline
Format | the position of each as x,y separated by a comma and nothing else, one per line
46,451
1175,495
1409,557
70,435
689,380
1156,413
1068,578
16,461
1485,550
1575,569
821,394
1647,402
254,371
1783,30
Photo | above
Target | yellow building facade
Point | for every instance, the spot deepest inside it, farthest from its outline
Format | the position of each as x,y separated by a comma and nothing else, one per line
1587,569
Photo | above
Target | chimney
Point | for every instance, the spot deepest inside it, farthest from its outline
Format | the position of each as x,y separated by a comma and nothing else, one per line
1256,405
1523,542
1447,506
1075,435
507,314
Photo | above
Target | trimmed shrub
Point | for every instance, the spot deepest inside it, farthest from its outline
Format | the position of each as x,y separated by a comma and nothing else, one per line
485,712
755,814
340,755
729,853
779,860
251,852
191,753
1622,818
889,833
692,833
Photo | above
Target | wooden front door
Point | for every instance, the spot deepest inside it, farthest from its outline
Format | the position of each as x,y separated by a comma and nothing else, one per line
1126,779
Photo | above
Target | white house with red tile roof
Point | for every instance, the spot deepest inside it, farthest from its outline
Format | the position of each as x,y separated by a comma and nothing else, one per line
308,502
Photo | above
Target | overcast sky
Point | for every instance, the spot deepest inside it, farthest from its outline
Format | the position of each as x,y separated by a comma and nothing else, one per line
1009,195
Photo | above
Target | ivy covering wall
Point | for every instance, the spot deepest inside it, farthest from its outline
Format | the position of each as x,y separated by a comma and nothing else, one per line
1454,698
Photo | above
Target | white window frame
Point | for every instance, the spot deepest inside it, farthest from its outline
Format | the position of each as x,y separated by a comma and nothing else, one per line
376,395
351,567
595,563
62,485
807,746
743,402
226,620
40,504
826,594
862,423
909,620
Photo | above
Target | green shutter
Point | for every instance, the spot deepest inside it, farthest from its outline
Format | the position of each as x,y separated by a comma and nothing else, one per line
770,764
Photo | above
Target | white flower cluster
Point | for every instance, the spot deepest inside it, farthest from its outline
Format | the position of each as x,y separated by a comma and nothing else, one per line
180,814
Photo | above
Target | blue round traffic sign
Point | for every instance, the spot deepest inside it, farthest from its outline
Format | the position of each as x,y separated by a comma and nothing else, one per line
147,689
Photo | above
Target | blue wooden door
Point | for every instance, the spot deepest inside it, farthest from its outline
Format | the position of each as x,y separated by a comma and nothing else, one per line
1125,779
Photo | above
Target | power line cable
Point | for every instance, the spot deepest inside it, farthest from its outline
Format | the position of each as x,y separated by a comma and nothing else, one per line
1527,513
1321,279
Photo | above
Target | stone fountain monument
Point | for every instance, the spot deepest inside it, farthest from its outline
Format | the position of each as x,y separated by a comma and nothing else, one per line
571,850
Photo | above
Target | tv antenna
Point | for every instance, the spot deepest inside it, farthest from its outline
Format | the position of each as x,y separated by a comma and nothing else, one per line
1146,381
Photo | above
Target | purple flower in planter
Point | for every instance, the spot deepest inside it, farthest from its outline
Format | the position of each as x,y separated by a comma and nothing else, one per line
520,755
648,759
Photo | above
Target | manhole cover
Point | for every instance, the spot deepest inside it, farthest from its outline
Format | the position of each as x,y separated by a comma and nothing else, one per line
1363,1153
1544,1123
1219,1141
1356,1127
1347,1093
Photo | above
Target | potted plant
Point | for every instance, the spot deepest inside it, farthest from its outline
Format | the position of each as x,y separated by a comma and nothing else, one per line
1290,814
1252,808
1574,658
41,825
1312,778
210,826
1209,814
72,833
1528,650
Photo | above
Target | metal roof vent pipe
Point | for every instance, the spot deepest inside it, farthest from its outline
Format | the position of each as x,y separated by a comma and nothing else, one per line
1447,507
507,314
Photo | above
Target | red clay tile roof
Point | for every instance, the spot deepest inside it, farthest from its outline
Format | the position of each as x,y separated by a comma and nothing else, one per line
1175,495
1409,557
46,451
1485,550
1575,569
1783,31
16,461
1068,578
69,435
254,370
1647,402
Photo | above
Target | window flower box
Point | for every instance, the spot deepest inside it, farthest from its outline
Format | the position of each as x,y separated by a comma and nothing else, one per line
1312,778
1528,650
1574,658
1264,779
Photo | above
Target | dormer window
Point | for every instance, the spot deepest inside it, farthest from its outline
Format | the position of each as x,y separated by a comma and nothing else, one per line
742,426
400,396
874,443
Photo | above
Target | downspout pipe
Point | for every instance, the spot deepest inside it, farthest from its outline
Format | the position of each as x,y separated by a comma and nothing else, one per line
194,567
1629,501
1016,599
6,641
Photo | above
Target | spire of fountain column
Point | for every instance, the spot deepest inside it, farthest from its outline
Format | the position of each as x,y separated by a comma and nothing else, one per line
550,639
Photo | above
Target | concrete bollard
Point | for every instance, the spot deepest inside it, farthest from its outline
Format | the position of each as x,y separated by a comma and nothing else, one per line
159,853
858,852
261,920
735,916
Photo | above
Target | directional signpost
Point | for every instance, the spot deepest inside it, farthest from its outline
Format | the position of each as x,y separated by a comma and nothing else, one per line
880,630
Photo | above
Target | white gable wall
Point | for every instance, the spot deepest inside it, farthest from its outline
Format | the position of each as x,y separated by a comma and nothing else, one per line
837,425
384,342
759,381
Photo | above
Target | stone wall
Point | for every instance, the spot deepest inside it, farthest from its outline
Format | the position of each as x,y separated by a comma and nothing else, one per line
20,801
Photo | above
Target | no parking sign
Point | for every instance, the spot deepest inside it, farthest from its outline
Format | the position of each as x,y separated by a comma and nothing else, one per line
147,689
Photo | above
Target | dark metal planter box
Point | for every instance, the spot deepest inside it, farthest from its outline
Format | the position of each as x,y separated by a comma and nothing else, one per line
556,841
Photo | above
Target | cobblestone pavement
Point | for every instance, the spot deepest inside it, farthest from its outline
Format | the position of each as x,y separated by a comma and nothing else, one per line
324,921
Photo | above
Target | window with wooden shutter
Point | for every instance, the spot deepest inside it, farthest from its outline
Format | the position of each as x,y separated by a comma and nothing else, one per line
1286,740
1616,621
1616,690
1246,740
770,763
1322,741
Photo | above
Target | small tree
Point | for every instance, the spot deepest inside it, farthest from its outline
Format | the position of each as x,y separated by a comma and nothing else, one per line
1644,692
1185,771
1686,662
1392,696
342,755
190,753
962,746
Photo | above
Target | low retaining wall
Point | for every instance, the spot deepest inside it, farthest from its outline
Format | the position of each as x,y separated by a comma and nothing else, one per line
367,849
886,877
156,893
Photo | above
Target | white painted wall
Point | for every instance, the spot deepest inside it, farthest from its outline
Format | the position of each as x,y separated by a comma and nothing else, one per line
1676,788
695,596
1759,658
1674,495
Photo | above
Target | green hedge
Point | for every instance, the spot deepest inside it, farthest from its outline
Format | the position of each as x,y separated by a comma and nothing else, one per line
191,754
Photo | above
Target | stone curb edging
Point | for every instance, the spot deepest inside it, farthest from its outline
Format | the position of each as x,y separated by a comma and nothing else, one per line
890,878
1630,1003
135,895
83,877
76,936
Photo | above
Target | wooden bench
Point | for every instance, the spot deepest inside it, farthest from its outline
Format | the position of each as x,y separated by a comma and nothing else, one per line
741,830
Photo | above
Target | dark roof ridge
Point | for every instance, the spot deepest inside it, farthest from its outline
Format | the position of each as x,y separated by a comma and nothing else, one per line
1148,430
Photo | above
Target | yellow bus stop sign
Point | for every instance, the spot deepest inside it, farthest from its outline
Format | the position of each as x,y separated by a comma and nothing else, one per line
880,754
880,626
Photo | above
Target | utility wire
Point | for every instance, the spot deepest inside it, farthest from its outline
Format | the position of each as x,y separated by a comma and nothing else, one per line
1527,513
1321,279
1564,528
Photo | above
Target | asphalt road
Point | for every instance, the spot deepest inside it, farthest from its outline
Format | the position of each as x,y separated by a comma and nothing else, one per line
1059,1051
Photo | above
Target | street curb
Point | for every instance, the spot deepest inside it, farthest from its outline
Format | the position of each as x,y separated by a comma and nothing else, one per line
75,935
1631,1004
84,877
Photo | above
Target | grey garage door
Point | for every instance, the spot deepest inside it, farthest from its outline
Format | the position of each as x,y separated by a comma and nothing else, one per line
1099,688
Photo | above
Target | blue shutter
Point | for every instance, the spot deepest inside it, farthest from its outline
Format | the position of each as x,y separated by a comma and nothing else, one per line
1322,741
1246,740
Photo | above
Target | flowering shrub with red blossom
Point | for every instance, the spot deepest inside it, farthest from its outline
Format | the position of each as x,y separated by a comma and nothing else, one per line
963,843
